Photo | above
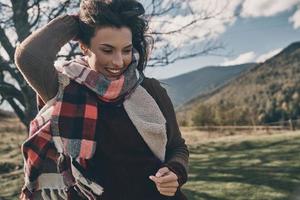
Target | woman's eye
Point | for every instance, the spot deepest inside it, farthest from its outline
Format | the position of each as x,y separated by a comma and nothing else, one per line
107,50
127,51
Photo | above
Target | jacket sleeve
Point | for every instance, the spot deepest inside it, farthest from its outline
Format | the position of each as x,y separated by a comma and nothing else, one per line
35,56
177,153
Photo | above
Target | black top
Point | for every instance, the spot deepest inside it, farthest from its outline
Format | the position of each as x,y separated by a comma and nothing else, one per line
123,162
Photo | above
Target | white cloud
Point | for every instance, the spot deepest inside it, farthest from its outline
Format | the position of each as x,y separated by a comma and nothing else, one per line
250,57
224,12
295,19
204,30
241,59
266,56
266,8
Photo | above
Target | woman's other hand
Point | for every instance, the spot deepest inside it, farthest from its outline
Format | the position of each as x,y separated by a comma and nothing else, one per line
166,181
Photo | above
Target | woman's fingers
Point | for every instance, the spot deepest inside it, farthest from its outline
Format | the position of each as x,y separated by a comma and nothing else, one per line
162,172
166,181
170,177
168,185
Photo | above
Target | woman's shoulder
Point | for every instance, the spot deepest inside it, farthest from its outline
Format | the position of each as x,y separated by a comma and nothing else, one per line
152,85
156,89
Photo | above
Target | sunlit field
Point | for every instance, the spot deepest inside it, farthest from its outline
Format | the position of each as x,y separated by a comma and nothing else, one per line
235,166
244,166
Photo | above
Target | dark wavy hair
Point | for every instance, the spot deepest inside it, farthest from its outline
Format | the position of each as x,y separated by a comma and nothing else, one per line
95,14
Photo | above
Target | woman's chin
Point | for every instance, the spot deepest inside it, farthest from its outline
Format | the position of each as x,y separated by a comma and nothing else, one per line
112,78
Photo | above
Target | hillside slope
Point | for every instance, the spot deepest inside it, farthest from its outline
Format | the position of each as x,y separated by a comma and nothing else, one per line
269,92
187,86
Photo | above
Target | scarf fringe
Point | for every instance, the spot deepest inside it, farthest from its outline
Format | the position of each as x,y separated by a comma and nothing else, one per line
63,194
45,195
83,182
85,192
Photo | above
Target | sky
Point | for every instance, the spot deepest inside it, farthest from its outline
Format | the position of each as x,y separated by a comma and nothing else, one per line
261,30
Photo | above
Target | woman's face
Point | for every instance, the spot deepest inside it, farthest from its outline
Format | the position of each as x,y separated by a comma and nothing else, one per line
110,51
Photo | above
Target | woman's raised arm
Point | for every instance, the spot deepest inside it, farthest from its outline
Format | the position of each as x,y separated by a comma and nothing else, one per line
35,56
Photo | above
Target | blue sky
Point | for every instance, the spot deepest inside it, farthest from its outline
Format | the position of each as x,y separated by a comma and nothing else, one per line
252,37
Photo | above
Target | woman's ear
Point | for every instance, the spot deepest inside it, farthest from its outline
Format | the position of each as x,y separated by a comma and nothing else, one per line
84,49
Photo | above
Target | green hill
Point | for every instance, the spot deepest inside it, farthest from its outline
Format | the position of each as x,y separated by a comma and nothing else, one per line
268,92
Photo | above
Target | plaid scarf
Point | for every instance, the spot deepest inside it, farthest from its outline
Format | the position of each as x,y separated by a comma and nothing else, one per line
62,136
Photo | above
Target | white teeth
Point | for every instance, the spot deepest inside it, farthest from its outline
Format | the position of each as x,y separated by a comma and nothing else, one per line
115,71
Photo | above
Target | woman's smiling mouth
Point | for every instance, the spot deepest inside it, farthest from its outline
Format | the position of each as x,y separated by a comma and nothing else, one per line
115,72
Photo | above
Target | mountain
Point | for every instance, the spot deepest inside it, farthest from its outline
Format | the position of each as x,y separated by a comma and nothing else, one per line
187,86
267,93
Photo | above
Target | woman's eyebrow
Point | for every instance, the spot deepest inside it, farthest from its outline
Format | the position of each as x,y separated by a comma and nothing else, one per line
108,45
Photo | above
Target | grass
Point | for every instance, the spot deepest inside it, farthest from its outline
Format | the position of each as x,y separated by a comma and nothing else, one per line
261,167
240,166
12,135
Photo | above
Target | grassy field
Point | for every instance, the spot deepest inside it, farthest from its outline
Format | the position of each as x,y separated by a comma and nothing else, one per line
244,167
11,165
239,166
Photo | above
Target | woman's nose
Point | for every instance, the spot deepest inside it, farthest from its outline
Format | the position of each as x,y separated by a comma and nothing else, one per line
118,60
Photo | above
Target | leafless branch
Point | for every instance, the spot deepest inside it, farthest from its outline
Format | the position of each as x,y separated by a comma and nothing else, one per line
35,3
72,52
4,41
59,10
156,9
38,15
10,91
3,5
1,100
184,27
172,55
20,19
19,112
14,72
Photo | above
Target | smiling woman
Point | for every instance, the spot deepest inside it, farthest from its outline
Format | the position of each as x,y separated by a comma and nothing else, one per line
104,130
110,51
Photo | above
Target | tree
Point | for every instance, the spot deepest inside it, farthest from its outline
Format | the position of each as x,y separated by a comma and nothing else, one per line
204,116
20,18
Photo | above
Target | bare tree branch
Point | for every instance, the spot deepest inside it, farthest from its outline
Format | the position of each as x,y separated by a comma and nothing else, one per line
165,59
19,112
184,27
6,44
1,100
20,18
14,72
72,52
9,91
156,9
59,10
4,5
35,3
37,16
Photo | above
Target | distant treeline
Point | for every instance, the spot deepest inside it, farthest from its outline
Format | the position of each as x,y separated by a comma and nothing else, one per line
283,105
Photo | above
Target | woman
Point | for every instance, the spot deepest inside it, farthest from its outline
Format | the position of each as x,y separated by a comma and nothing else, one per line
104,130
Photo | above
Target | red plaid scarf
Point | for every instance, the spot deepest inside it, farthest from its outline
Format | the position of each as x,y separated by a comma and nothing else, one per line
62,136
